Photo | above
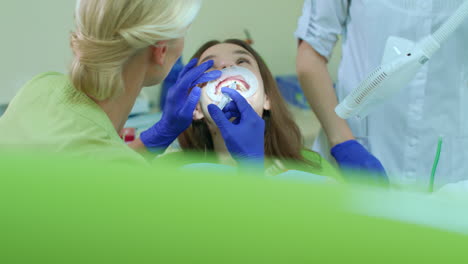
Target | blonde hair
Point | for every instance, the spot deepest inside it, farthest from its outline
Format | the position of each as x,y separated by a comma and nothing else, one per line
109,32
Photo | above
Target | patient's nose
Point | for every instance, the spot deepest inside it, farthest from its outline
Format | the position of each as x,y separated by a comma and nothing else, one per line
226,64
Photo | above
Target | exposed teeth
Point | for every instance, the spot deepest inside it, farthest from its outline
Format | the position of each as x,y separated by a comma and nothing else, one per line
239,86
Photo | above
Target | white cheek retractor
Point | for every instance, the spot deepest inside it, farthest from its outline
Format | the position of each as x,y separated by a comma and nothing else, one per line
237,78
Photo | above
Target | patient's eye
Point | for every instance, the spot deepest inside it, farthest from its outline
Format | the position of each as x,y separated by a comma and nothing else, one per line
213,68
243,60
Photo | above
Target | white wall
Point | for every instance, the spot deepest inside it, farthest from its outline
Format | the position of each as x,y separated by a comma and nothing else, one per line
272,24
35,35
34,39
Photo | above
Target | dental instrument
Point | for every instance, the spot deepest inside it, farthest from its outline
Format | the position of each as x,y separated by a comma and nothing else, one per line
434,166
225,99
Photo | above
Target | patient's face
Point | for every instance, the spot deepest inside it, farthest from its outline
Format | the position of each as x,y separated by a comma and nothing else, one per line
227,56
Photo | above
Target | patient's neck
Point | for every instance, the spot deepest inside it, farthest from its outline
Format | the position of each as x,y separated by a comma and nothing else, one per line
220,148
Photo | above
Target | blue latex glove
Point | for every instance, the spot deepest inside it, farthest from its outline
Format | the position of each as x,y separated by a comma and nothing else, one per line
170,80
245,138
178,111
232,112
353,156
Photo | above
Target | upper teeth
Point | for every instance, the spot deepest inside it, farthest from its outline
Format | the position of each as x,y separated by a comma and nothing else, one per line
233,84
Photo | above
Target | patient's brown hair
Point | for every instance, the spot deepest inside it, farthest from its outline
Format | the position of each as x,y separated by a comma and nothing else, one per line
283,139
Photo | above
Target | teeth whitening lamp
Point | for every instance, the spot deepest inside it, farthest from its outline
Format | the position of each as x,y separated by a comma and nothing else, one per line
401,62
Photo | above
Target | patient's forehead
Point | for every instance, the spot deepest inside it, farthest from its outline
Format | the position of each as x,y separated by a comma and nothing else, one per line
223,49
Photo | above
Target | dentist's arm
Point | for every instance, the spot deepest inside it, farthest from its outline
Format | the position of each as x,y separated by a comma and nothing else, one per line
318,88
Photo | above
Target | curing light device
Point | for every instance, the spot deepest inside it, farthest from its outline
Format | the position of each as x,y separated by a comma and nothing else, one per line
401,62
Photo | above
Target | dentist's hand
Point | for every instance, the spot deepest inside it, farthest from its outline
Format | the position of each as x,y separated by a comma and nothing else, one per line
178,111
244,138
351,155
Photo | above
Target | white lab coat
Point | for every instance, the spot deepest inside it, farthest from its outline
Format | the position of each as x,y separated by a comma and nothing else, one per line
402,133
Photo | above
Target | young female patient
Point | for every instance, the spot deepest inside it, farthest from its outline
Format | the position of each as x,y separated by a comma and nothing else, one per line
246,72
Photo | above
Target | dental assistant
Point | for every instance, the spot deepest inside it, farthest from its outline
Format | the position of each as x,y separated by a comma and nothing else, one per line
119,47
403,133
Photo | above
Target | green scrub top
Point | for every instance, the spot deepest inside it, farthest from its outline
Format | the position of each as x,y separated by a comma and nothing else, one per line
49,114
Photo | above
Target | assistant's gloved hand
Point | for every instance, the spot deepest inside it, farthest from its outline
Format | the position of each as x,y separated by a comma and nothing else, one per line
353,156
245,138
178,111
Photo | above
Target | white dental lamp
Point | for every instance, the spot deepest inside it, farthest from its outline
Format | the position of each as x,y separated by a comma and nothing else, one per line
401,61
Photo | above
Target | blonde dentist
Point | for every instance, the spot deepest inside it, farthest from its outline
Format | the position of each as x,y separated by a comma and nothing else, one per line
119,46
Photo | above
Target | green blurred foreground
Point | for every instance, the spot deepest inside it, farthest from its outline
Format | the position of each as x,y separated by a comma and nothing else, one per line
58,210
